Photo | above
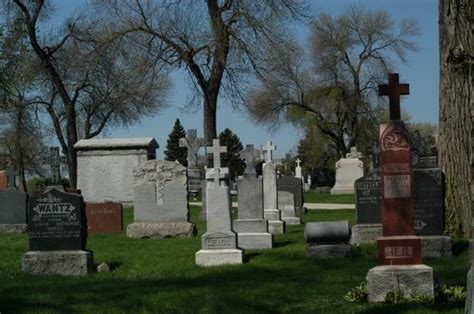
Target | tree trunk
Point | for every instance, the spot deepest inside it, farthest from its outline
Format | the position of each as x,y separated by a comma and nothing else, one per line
210,121
456,111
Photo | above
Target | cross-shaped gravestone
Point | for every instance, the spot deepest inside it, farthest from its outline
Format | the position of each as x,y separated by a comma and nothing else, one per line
54,161
193,143
249,154
216,149
374,152
298,162
354,153
11,176
267,148
394,89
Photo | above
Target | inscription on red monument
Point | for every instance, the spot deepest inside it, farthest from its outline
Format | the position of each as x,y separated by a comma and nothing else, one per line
104,217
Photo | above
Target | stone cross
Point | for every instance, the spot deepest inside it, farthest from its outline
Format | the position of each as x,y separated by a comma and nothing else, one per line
249,154
354,153
268,147
216,149
11,175
193,143
375,154
298,162
394,89
55,162
298,169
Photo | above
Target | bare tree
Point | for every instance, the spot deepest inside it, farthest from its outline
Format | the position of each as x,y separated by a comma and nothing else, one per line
90,80
351,54
219,43
456,117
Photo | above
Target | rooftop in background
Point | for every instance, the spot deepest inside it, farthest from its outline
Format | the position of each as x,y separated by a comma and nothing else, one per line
116,143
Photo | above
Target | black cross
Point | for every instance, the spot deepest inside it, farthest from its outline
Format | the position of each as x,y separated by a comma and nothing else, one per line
394,89
54,161
11,175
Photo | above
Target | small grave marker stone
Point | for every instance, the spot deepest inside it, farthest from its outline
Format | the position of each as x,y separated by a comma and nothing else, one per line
104,217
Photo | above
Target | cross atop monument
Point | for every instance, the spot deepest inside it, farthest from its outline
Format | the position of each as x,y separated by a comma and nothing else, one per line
298,162
54,161
192,143
216,149
249,154
394,89
268,147
11,175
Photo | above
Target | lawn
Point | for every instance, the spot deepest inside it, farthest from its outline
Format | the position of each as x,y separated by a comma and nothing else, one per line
161,276
313,197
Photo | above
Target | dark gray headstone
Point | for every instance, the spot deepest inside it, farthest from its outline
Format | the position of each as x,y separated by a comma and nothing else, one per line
327,231
57,222
250,191
428,195
293,185
368,199
13,207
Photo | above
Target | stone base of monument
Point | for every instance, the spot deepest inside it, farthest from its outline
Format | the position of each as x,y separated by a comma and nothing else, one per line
255,240
219,257
159,230
342,189
436,246
366,233
329,250
276,227
291,220
410,279
66,263
13,228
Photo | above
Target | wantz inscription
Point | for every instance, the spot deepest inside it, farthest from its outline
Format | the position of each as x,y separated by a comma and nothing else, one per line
57,222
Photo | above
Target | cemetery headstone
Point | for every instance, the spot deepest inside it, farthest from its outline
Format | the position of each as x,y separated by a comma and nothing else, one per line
348,170
105,167
293,185
286,205
270,192
251,227
219,243
57,235
3,181
399,250
160,201
13,206
328,239
193,144
104,217
298,169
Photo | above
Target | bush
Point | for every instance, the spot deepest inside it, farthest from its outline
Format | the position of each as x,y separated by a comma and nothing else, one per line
357,294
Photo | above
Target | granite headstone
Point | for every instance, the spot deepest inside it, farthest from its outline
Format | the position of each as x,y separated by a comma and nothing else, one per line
104,217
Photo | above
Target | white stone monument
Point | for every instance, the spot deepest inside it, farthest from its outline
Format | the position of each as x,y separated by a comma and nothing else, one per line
270,193
348,170
298,169
105,167
219,243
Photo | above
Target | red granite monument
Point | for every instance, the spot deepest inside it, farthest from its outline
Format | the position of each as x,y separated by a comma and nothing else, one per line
399,250
3,181
104,217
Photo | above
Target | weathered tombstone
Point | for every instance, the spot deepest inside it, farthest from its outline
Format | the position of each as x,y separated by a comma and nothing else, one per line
298,169
399,250
104,217
293,185
219,243
286,205
105,167
3,181
348,170
13,206
251,227
160,201
328,239
57,235
270,193
192,143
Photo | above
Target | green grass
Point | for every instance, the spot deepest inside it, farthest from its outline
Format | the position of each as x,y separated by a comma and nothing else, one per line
161,276
313,197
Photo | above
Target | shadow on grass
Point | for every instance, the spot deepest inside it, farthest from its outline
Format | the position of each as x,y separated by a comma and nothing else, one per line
278,244
406,307
459,247
249,256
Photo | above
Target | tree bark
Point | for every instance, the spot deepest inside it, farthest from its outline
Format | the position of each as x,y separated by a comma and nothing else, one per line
456,111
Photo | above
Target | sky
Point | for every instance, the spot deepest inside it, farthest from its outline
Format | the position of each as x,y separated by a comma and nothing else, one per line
421,72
